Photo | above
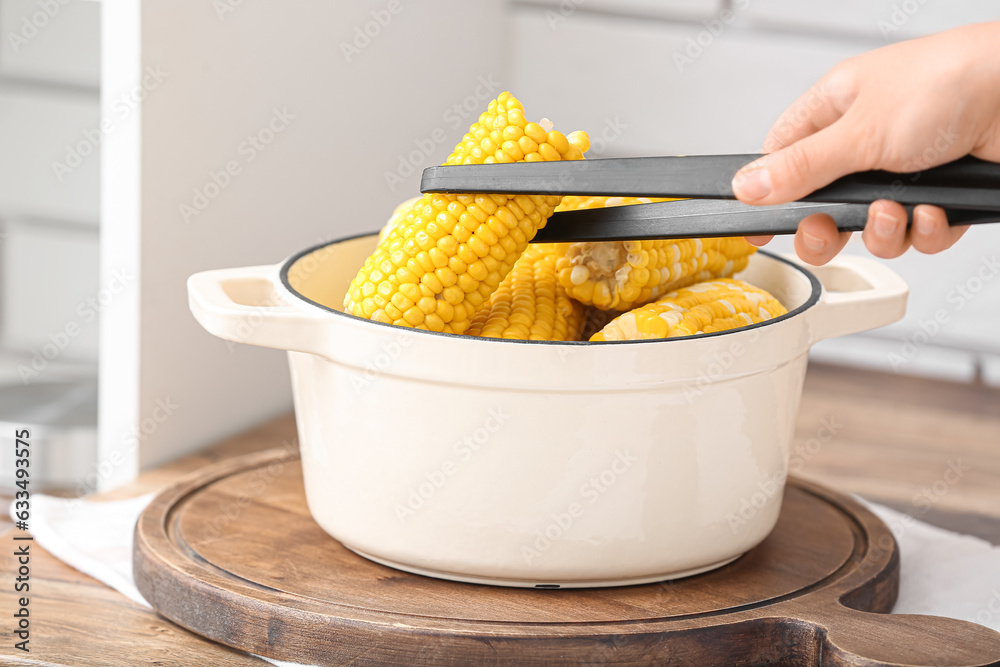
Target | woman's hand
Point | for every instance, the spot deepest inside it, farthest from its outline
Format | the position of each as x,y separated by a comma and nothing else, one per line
902,108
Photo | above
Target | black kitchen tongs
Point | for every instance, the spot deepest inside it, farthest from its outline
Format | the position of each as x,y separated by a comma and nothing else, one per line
968,189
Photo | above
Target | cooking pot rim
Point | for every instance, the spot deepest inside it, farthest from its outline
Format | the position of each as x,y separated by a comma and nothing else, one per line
814,295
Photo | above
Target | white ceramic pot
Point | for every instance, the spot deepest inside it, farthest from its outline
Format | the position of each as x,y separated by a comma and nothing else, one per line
534,463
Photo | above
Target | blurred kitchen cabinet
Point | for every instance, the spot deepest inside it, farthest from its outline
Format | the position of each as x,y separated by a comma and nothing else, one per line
50,300
684,10
50,296
881,20
51,40
51,144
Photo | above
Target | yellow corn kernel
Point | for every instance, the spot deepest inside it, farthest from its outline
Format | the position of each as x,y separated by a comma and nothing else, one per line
459,247
621,275
530,304
706,307
398,214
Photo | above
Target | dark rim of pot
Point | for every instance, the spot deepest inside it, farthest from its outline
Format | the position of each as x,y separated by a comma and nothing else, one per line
813,298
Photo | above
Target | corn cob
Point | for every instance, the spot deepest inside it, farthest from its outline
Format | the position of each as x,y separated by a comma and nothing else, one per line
438,266
398,214
620,275
717,305
530,304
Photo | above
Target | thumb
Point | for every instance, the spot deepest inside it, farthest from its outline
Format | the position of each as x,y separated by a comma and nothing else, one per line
793,172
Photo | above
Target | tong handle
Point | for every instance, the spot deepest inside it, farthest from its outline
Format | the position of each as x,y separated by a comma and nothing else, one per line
967,183
699,218
968,176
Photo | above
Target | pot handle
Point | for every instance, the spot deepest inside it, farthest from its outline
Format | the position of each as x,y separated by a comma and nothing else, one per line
243,305
859,294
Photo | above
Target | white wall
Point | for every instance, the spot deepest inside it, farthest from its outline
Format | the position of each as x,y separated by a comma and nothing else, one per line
626,68
322,176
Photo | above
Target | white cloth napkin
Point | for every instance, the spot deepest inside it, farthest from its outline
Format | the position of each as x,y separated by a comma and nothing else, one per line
943,573
65,527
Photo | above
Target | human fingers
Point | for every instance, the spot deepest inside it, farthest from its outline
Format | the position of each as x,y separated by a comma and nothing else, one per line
930,232
818,240
885,233
759,240
807,165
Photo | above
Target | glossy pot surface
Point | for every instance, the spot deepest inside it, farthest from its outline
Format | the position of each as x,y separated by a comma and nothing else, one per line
536,463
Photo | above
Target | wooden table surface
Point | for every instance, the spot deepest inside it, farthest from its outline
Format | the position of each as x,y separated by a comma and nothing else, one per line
892,439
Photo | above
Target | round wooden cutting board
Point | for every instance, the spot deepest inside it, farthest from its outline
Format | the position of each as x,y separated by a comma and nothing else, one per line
232,554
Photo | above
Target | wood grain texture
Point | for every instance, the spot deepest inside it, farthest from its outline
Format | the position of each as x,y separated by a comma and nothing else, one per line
898,434
897,437
232,553
78,621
